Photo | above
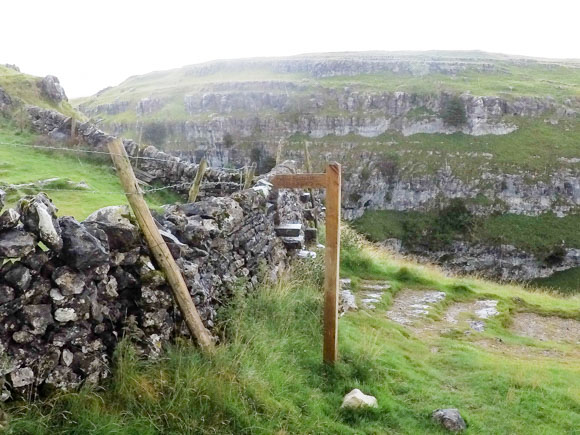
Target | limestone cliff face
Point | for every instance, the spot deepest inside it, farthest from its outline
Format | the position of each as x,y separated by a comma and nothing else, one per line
502,262
282,108
490,192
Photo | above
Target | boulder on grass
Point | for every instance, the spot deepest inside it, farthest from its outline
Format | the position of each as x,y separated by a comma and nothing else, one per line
450,419
357,399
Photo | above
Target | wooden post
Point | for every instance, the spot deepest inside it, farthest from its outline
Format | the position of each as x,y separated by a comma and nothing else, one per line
194,191
73,129
331,181
332,263
250,175
279,152
157,245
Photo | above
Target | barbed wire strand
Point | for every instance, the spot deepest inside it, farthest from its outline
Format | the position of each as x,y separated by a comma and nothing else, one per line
173,159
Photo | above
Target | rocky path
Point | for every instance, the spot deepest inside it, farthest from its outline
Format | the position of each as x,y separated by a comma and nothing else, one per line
411,308
546,328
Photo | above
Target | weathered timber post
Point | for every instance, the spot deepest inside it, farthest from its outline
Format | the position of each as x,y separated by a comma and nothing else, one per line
332,263
194,191
331,181
158,246
73,129
279,151
250,175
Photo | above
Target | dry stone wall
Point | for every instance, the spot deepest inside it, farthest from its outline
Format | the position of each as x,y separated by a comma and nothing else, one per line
70,291
160,167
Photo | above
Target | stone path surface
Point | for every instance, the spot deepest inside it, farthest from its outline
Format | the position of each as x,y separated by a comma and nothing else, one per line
471,313
546,327
412,305
371,293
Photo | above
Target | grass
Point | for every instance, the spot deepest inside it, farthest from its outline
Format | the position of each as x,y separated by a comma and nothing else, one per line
20,165
511,81
25,88
535,234
267,376
566,281
536,149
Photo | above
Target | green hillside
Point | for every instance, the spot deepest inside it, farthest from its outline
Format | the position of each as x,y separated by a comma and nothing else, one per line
267,376
20,164
24,88
511,77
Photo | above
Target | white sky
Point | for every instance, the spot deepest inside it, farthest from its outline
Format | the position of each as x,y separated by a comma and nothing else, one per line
93,44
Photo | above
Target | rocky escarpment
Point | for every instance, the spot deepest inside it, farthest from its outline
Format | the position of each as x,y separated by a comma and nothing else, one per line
370,187
66,304
500,262
282,108
372,181
339,64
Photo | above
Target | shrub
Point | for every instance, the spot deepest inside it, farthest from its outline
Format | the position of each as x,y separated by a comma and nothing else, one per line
228,140
454,112
388,166
155,133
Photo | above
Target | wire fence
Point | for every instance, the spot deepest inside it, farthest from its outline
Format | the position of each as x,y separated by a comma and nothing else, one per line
144,191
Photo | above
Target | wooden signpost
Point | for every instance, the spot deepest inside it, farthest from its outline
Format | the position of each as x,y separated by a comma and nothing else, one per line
330,181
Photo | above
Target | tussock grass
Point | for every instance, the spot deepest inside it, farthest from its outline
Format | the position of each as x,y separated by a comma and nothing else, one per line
267,377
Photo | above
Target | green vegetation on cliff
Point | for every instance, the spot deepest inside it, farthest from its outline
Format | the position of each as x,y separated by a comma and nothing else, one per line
267,377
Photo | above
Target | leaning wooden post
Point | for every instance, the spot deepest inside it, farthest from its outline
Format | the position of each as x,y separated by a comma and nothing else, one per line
332,263
194,191
157,245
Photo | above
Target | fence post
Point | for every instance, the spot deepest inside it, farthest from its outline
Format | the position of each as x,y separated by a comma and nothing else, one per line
157,245
73,129
279,151
250,175
332,263
194,191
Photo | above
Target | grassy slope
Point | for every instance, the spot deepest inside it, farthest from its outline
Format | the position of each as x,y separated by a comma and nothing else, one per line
536,148
535,234
530,233
22,165
25,87
268,377
511,79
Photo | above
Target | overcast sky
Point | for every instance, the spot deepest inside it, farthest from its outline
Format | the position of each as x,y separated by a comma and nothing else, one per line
91,45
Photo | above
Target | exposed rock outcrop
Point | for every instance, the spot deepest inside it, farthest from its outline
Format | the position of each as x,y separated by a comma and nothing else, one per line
52,90
502,262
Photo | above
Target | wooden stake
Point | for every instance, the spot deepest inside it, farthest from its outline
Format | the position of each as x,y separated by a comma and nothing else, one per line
73,129
194,191
279,151
332,263
157,245
250,175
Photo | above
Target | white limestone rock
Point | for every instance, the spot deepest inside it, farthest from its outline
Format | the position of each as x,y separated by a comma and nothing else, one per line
357,399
